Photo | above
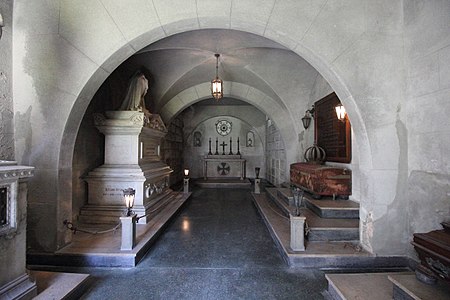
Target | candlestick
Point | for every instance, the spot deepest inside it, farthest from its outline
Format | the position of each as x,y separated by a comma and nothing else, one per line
231,148
238,152
217,147
209,153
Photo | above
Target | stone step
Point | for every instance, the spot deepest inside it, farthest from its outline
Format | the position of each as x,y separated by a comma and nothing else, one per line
367,286
320,229
323,254
286,195
333,209
407,287
56,285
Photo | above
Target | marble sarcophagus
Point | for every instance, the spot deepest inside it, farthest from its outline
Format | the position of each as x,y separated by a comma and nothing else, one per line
322,180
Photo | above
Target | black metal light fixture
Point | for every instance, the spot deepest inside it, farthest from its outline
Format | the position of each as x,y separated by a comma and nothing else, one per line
128,196
257,169
340,112
217,83
306,120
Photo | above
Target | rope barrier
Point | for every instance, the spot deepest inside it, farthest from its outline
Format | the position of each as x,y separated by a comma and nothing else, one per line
71,227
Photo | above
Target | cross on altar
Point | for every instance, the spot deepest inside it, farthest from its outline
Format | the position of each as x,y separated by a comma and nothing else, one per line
223,147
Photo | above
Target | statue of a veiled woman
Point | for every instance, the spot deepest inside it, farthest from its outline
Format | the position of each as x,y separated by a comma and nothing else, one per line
134,99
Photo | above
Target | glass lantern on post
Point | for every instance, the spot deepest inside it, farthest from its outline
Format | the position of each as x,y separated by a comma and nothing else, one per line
128,196
298,200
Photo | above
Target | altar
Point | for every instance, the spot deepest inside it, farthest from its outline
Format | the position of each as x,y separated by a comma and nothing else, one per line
223,166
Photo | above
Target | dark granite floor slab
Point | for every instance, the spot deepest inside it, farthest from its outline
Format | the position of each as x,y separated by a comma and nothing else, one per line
216,248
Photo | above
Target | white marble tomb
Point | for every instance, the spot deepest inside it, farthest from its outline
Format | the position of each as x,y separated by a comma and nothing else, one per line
132,160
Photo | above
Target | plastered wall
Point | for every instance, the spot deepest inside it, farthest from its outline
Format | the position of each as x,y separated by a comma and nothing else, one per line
426,132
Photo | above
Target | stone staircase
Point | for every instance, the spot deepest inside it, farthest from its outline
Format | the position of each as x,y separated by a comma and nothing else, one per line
327,221
380,286
332,227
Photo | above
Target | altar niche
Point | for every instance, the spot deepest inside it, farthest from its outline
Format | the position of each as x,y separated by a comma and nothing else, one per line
224,165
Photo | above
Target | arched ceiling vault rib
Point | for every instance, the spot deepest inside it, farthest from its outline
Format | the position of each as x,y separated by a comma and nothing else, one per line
167,113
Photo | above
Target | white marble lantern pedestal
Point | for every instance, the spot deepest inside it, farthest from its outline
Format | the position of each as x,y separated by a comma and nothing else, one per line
14,280
297,232
132,160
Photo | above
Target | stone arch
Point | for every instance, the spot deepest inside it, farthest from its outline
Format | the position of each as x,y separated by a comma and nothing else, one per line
123,50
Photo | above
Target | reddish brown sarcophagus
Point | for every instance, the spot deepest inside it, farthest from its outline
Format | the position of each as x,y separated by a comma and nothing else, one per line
434,253
322,180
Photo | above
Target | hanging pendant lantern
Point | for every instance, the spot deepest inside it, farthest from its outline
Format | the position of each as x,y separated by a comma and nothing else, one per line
217,83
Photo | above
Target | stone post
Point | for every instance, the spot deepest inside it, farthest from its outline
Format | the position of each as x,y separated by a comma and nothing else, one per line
257,186
297,233
128,232
186,185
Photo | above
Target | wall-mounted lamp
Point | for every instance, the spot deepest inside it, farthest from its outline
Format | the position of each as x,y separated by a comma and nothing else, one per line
1,25
306,120
128,196
340,112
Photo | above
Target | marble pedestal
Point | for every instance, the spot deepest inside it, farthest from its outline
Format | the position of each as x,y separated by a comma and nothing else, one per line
14,280
132,160
297,233
128,240
257,186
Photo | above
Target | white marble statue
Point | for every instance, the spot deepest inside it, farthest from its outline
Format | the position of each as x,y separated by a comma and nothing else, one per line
134,99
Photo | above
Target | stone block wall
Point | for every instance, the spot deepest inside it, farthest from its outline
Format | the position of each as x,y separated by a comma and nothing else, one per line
276,172
172,150
6,101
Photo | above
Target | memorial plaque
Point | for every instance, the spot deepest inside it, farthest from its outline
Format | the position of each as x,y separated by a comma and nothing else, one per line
333,135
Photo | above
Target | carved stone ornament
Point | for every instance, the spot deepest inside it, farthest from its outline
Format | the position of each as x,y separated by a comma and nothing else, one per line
223,127
137,119
157,123
99,119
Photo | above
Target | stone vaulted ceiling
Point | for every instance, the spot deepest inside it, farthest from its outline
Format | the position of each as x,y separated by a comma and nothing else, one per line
185,60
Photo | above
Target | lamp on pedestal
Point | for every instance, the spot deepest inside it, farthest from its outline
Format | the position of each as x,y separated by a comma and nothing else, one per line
257,181
129,221
186,181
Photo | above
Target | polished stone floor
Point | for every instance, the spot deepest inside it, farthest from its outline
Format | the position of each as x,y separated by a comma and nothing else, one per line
217,248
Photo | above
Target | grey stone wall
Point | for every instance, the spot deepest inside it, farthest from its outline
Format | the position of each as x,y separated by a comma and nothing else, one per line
427,132
88,154
172,151
275,156
6,100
